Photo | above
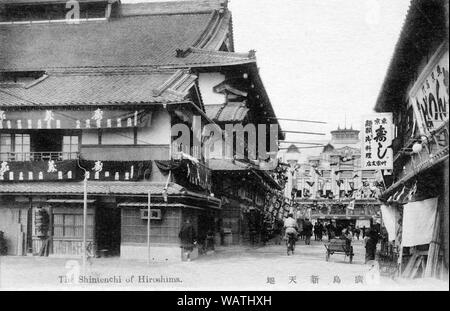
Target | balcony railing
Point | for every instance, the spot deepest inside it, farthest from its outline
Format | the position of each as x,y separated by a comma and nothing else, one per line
38,156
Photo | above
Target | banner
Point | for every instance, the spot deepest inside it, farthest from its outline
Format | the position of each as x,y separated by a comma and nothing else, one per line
74,119
418,222
376,147
390,218
429,96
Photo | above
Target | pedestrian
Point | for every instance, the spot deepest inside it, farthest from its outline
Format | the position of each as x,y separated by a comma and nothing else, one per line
210,240
371,242
307,229
346,235
316,231
363,231
319,231
357,232
188,238
278,231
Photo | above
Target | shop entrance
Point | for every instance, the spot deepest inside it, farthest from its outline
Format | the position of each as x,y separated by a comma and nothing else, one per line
107,230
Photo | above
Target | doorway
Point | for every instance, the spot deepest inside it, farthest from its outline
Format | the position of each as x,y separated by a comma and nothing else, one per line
107,230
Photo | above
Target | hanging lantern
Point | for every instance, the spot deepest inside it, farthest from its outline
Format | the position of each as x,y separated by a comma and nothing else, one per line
417,147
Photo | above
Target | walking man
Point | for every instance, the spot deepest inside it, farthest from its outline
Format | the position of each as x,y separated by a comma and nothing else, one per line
307,229
188,238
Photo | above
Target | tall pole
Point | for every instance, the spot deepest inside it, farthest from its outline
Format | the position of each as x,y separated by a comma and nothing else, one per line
84,221
148,228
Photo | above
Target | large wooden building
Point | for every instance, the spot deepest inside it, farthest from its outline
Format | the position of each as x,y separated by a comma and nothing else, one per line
331,186
96,95
415,91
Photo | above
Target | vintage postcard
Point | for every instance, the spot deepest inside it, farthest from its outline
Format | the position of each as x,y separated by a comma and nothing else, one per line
211,145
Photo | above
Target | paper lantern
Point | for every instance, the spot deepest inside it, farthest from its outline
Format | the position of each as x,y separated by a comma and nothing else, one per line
417,147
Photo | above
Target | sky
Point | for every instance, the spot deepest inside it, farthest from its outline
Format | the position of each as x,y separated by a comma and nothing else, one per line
319,60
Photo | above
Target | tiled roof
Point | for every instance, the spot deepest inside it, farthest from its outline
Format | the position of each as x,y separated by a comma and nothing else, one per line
147,41
94,187
100,89
172,7
232,112
44,1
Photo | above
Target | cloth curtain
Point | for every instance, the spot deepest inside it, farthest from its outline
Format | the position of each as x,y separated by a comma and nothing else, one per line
418,222
390,218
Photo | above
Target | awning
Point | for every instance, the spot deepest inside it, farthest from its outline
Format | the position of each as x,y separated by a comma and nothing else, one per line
157,205
71,201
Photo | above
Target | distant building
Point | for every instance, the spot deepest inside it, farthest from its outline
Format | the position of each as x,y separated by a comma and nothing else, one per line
331,185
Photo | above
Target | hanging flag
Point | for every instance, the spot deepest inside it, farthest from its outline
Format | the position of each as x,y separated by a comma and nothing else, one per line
412,192
400,196
351,205
318,172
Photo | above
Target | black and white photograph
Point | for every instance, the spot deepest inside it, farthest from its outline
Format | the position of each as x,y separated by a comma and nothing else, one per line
224,145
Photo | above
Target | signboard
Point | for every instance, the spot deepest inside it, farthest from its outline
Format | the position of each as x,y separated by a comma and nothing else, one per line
376,147
74,119
429,96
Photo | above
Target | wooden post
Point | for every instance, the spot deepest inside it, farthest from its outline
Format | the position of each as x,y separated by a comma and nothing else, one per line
433,251
148,227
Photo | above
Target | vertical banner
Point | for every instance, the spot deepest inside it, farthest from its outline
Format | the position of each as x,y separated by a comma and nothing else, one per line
376,147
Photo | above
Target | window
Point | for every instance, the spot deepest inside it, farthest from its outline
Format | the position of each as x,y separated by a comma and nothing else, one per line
22,147
70,147
5,147
71,225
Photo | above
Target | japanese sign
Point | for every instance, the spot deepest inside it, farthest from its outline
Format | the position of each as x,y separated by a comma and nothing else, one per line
429,96
376,152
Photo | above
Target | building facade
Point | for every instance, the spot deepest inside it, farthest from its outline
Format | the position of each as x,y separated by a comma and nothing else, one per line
331,186
415,91
96,94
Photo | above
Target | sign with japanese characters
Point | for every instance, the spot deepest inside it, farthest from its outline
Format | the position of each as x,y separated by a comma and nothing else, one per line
376,147
74,119
429,96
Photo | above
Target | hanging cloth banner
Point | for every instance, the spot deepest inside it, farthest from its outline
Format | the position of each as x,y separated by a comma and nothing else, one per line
117,170
390,218
74,119
166,165
39,170
418,222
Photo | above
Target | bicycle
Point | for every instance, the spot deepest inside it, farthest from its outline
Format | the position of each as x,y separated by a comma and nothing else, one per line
290,243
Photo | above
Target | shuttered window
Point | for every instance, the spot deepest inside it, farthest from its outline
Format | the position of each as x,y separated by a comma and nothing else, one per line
71,225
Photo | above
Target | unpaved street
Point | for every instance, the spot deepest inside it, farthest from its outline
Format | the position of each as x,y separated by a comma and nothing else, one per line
231,268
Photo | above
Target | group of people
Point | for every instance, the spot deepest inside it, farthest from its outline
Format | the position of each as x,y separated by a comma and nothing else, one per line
290,226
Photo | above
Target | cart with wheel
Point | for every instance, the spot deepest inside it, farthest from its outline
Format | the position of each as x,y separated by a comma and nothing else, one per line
338,246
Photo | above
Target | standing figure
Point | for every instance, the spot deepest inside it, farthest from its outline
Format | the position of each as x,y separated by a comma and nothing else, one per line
188,238
357,232
307,229
363,231
278,231
316,231
320,231
371,240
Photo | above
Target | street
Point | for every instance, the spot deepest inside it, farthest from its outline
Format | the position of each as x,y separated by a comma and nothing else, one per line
230,268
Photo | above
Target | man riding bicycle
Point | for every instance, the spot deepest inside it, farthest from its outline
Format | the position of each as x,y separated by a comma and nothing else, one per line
291,228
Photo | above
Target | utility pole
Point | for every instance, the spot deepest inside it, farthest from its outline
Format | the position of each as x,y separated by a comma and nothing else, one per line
148,226
84,221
